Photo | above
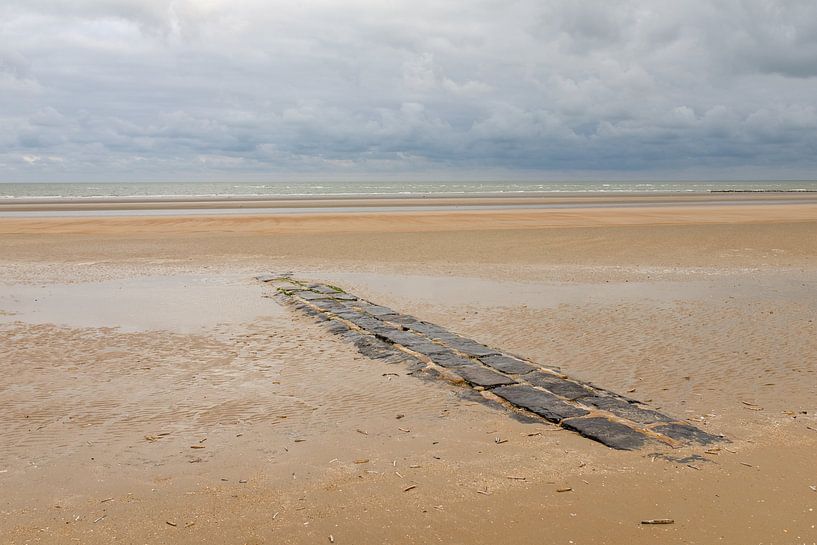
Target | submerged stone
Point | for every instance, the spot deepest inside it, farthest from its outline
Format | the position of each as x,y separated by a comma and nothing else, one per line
480,376
450,359
625,409
375,348
397,336
472,348
557,385
507,364
428,348
309,295
430,330
685,432
545,404
613,434
337,327
374,310
366,322
323,288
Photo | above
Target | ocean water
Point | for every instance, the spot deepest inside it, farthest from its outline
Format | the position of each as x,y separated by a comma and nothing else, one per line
362,189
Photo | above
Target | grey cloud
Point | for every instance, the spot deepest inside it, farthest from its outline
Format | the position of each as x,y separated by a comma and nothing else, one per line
150,89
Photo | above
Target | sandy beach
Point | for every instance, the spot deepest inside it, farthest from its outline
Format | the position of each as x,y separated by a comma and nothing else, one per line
155,392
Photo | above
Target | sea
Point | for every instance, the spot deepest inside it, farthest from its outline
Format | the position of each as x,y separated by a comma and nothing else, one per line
182,190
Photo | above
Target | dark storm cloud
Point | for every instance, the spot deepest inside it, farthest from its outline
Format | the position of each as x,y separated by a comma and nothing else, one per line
149,89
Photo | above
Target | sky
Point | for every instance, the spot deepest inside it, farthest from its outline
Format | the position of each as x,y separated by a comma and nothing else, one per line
143,90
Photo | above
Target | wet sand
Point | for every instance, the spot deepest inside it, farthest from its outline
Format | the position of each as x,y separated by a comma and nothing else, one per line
125,342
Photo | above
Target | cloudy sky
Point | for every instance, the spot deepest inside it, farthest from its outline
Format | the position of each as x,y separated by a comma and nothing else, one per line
532,89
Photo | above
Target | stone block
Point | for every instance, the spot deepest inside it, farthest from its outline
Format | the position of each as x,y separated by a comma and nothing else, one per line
557,385
450,359
472,348
480,376
540,402
613,434
624,409
507,364
686,433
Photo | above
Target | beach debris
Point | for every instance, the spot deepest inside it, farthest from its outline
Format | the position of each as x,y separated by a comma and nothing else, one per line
499,441
242,481
813,487
516,478
484,492
197,446
103,517
411,487
189,524
658,521
195,460
745,464
565,489
404,430
399,416
275,515
171,523
399,474
331,538
362,431
299,440
362,461
106,500
151,438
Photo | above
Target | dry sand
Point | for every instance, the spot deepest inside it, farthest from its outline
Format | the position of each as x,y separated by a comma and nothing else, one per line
125,342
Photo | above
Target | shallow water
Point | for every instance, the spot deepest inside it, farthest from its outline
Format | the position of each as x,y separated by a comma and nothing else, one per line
180,303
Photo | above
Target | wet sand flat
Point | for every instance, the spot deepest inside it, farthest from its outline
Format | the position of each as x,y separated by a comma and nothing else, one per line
154,392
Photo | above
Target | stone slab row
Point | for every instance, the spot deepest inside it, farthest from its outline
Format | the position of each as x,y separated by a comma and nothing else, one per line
381,333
